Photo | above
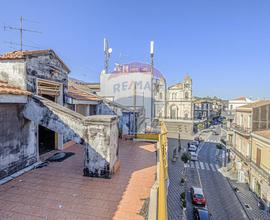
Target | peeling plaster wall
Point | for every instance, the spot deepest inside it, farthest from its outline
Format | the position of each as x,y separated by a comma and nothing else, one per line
14,72
18,142
46,67
125,123
98,134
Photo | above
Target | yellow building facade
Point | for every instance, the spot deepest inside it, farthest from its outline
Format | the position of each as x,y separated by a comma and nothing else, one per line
260,164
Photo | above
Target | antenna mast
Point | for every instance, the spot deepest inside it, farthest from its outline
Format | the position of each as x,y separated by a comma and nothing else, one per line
152,76
21,30
107,54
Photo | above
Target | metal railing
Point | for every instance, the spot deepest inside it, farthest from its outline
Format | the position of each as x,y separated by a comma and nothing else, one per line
245,131
243,157
163,174
176,118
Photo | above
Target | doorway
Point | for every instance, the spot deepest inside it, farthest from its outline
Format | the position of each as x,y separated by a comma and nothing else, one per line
46,140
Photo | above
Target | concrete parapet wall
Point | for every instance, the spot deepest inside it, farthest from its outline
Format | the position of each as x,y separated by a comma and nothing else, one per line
98,134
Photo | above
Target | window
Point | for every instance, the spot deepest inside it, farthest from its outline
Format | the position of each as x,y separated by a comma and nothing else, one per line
186,95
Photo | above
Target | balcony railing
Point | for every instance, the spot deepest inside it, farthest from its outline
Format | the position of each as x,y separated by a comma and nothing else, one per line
261,171
243,157
177,118
240,129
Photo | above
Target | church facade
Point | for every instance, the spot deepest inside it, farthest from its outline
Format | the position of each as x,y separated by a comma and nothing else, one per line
179,100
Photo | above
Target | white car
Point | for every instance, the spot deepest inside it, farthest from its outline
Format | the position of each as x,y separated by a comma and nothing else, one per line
193,156
196,143
192,148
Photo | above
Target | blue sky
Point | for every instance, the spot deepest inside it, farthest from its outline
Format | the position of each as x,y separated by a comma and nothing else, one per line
223,44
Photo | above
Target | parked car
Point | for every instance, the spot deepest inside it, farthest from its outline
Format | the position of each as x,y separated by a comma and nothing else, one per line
193,156
200,214
197,196
195,142
192,148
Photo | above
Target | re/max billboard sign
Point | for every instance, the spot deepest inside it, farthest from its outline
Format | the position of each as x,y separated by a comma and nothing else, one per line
130,85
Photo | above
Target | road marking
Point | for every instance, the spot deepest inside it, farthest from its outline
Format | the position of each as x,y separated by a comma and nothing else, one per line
199,177
192,164
207,166
213,168
197,164
202,166
217,167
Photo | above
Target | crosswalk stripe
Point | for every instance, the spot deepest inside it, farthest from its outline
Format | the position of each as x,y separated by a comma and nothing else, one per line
192,164
202,166
217,167
197,164
207,166
213,168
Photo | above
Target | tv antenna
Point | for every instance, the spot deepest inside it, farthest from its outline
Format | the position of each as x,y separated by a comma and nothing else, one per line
21,30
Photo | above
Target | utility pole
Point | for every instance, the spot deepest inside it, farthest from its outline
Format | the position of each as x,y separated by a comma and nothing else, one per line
107,54
179,138
21,30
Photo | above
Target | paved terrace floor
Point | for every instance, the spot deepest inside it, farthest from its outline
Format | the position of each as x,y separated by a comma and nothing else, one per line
59,191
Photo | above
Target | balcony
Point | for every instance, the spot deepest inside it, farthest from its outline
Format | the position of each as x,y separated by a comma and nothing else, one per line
244,158
241,130
177,118
261,171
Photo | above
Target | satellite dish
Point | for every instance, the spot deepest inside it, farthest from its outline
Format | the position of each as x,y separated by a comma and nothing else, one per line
110,50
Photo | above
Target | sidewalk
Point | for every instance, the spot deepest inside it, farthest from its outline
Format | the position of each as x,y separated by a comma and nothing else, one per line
59,191
247,197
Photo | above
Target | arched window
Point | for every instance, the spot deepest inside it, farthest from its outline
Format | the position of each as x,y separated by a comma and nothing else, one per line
173,112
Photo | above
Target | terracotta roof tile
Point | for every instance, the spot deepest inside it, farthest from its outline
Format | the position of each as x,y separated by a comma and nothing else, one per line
75,92
6,89
22,54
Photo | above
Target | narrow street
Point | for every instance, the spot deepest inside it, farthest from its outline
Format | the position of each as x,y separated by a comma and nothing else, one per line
221,200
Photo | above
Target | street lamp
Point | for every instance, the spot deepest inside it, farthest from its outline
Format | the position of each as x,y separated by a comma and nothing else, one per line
179,138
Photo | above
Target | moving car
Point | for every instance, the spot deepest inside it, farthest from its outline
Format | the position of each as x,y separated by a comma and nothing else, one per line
200,214
197,196
193,156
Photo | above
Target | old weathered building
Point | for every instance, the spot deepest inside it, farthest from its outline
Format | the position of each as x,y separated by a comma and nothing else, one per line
17,134
43,73
43,120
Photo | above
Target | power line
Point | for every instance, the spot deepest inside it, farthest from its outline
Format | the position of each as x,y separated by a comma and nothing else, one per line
21,30
25,45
